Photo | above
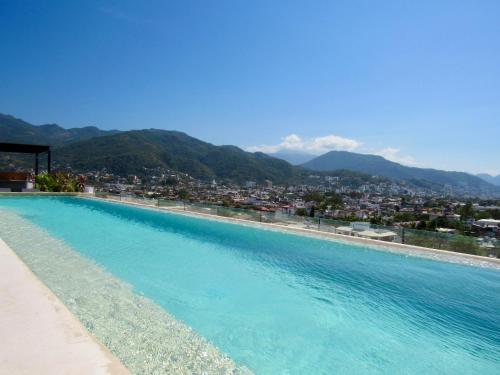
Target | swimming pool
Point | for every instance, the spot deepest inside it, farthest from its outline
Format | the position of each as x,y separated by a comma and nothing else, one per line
283,303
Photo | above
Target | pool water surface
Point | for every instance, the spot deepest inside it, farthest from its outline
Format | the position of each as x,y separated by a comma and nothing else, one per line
283,303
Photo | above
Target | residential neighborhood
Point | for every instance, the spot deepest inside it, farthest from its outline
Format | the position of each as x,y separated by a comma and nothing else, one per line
382,203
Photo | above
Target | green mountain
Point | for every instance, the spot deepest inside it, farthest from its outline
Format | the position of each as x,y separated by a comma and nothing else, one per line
15,130
495,180
132,151
293,157
421,177
89,148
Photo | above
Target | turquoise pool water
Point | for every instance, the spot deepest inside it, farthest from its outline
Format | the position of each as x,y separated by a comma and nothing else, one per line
285,304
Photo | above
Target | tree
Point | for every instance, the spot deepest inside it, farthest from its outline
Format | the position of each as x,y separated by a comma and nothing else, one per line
314,196
183,194
431,225
301,212
334,200
467,211
311,212
422,225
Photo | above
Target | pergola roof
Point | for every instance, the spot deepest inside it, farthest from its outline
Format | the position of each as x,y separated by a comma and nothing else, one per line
23,148
28,149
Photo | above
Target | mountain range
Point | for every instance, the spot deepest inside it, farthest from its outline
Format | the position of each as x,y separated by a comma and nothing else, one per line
15,130
293,157
377,165
129,152
495,180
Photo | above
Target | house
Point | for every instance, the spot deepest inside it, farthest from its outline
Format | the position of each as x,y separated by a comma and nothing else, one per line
446,230
363,230
487,223
453,217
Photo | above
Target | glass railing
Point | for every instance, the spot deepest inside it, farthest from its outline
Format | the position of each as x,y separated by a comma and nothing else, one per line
434,240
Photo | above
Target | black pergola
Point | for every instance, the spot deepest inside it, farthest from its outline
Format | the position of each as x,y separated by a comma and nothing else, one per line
28,149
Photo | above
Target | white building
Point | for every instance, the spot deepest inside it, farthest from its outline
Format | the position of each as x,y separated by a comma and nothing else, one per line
488,223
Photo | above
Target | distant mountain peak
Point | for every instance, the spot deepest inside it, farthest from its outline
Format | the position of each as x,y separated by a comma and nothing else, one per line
16,130
294,157
495,180
378,166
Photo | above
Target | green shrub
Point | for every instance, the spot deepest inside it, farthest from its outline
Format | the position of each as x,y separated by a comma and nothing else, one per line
467,245
58,182
457,243
301,212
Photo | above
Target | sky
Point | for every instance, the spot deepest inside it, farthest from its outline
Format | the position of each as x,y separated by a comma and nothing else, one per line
415,81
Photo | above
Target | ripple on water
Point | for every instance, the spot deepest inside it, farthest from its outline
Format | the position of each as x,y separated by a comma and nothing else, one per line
145,338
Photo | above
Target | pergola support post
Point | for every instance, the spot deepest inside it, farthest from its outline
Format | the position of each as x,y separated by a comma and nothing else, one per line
36,164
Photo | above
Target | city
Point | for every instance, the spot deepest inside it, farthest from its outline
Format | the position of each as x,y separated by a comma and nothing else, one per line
386,203
250,187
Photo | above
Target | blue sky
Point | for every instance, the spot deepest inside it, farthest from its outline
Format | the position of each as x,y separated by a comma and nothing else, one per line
416,81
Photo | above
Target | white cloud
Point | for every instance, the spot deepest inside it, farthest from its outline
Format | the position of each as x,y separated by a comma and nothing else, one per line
321,145
316,146
393,154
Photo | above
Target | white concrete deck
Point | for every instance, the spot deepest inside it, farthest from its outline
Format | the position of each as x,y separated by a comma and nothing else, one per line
38,334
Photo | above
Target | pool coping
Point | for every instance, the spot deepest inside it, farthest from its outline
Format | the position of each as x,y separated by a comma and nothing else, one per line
40,335
411,250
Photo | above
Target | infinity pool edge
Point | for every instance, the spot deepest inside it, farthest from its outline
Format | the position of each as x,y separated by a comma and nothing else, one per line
378,245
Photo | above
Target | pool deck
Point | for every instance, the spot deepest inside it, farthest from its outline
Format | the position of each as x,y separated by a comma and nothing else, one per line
38,333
